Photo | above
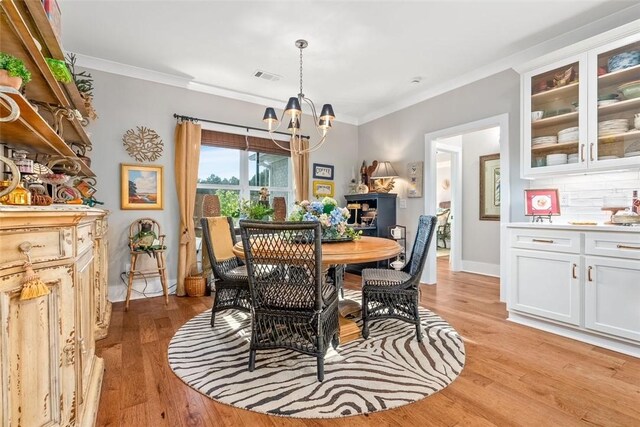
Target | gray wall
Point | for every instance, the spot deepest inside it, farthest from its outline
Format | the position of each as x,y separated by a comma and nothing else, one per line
123,103
399,137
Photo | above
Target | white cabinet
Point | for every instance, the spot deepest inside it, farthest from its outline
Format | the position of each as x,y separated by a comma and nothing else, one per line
612,296
578,113
546,284
581,284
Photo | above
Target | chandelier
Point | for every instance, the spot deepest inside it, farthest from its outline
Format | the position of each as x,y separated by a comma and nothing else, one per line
293,113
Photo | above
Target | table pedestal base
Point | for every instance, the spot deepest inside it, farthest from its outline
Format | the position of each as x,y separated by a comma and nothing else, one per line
349,329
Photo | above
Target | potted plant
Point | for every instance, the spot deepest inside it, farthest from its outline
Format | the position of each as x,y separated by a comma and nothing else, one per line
13,73
59,70
255,210
84,83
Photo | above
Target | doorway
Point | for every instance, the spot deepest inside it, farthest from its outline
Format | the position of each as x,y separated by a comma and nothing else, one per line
434,143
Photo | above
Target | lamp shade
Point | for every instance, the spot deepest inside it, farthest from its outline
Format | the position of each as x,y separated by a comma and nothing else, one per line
293,107
294,124
384,170
327,112
269,115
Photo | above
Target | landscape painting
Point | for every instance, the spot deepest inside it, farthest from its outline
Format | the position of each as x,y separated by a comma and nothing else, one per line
141,187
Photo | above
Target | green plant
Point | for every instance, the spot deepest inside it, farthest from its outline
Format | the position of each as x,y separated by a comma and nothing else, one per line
82,79
254,210
15,67
59,70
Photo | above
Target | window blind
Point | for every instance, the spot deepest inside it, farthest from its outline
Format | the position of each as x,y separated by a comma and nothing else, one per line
241,142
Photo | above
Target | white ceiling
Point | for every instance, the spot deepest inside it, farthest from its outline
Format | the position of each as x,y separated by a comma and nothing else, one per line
361,57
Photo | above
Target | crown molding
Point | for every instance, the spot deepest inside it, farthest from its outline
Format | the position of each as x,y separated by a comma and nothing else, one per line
580,39
146,74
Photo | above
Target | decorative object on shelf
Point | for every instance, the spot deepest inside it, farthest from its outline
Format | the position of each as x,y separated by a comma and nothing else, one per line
542,203
59,70
64,165
364,177
279,209
414,172
490,187
32,285
24,165
565,77
623,60
84,83
141,187
13,73
323,189
264,195
383,177
39,196
58,114
143,144
369,171
635,202
355,207
332,218
6,187
81,151
536,115
362,188
446,184
14,110
86,186
321,171
293,110
630,90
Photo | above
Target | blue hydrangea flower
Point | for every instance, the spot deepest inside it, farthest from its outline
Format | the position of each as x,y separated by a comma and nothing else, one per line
317,207
336,217
309,217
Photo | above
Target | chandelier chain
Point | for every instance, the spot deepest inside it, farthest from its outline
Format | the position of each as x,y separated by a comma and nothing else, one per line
301,94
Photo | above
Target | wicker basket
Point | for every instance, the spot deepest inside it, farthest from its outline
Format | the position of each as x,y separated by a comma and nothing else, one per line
194,283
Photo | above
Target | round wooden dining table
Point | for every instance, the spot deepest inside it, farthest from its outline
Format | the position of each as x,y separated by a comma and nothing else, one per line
365,249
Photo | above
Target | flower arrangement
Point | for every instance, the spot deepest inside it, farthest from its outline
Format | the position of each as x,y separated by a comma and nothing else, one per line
14,67
332,217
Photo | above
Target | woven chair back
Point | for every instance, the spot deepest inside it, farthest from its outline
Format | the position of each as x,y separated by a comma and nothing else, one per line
210,205
424,235
284,262
279,209
220,266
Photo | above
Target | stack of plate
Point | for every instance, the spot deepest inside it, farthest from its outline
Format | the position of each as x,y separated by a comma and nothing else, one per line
573,158
568,135
612,127
608,157
557,159
631,153
543,140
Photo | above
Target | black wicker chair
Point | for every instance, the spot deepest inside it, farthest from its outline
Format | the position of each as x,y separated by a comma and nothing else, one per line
395,294
231,286
293,306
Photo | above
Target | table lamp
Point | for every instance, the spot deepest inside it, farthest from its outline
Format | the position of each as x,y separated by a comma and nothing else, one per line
385,173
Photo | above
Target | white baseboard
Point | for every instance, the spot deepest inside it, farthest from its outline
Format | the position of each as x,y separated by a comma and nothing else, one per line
483,268
118,290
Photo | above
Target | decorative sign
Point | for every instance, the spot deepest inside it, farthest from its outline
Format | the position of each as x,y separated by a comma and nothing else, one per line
414,172
543,202
321,171
323,189
143,144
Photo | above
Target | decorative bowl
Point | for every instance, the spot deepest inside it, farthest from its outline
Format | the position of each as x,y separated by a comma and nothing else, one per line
536,115
624,60
630,90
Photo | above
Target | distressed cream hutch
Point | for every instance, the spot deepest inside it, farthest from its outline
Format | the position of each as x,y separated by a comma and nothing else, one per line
49,372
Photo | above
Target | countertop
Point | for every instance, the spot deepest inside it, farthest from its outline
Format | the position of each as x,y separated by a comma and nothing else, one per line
565,226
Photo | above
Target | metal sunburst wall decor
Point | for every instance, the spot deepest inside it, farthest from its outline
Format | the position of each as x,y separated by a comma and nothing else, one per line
143,144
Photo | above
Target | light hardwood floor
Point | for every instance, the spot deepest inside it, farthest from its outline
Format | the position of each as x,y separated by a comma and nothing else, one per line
514,375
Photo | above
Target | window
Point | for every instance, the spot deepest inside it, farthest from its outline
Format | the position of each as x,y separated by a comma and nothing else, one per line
233,172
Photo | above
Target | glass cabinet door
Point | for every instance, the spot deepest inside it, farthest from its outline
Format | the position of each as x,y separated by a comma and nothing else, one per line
615,135
554,125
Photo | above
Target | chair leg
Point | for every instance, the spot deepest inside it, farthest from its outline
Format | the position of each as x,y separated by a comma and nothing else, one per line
365,316
160,262
416,311
134,257
335,342
252,360
320,368
213,309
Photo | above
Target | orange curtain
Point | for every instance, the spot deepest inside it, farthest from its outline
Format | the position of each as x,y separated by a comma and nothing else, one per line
187,158
300,168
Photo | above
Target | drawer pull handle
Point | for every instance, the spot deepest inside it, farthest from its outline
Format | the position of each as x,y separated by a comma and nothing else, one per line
582,159
574,273
637,248
589,277
542,240
81,239
591,152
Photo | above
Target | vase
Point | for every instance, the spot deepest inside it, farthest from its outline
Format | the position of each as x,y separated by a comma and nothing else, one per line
7,80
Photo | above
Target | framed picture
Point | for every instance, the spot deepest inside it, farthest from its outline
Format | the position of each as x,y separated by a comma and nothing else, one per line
490,187
323,189
542,202
414,173
141,187
321,171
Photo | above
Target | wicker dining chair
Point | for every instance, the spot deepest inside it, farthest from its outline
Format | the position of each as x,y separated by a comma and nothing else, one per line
292,305
231,286
395,294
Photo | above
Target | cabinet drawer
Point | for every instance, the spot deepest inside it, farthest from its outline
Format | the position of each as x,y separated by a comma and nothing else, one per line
48,244
620,245
85,237
546,240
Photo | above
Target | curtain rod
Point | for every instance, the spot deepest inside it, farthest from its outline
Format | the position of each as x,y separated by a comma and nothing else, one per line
181,117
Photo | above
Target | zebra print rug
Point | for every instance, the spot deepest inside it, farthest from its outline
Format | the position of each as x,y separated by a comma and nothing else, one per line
388,370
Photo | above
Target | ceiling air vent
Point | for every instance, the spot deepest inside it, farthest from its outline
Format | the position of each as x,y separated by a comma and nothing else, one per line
266,76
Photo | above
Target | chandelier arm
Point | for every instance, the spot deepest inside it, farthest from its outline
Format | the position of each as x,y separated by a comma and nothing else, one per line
315,117
315,147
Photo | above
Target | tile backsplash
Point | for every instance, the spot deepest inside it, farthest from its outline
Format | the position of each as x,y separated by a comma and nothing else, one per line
583,196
